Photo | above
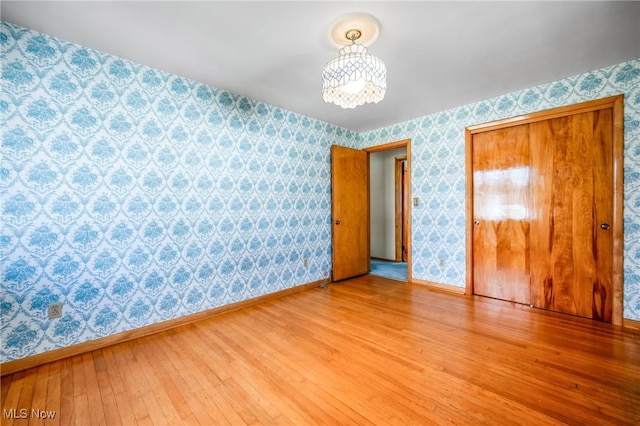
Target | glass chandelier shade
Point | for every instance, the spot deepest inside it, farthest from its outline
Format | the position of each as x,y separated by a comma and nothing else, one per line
354,78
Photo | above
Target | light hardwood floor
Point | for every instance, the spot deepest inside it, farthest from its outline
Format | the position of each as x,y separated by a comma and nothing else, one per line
364,351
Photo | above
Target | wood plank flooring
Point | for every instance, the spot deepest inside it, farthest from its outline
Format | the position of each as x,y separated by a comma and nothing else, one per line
364,351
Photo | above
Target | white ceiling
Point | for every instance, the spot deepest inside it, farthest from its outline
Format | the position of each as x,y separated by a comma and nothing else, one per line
438,55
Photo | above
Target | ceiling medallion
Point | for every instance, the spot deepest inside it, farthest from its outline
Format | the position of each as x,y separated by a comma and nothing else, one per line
355,77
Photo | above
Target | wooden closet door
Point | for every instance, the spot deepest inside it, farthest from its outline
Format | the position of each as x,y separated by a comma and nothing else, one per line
501,213
572,195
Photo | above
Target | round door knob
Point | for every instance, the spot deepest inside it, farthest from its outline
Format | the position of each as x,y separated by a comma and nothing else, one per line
605,226
337,222
476,222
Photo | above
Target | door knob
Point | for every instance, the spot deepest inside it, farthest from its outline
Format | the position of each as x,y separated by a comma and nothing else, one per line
605,226
476,222
337,222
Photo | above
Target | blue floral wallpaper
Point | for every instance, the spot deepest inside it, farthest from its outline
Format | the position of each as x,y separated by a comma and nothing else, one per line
438,175
134,196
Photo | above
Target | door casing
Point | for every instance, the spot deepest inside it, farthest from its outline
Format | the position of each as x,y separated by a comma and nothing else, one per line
406,143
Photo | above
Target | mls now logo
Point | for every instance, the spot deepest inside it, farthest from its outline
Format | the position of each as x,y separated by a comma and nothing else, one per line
24,413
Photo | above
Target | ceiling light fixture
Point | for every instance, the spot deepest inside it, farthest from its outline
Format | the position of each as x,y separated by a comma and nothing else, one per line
355,77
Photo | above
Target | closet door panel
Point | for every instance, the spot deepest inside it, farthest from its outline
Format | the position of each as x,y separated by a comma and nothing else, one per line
570,253
602,303
501,210
542,155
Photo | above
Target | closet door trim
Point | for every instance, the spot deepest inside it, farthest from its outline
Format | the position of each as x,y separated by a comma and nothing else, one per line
616,104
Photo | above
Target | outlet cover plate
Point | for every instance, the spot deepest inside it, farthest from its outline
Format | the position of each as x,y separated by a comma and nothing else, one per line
55,310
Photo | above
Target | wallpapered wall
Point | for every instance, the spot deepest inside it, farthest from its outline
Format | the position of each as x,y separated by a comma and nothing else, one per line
438,177
134,196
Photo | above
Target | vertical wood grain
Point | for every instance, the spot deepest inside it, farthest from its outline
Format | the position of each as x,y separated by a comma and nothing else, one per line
53,393
406,211
350,212
402,208
542,224
112,415
602,175
501,213
562,250
39,399
398,201
618,207
469,206
575,266
572,273
67,401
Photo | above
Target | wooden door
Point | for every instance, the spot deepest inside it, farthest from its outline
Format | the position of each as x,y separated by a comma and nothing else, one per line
575,198
402,208
350,212
406,208
571,252
501,213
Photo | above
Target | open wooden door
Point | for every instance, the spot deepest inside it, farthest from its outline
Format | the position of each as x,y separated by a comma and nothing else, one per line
406,208
402,208
350,212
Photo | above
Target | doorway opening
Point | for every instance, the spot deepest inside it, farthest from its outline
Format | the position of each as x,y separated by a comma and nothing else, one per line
390,210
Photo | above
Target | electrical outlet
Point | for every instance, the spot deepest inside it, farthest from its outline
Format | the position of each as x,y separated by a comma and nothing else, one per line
442,262
55,310
305,262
